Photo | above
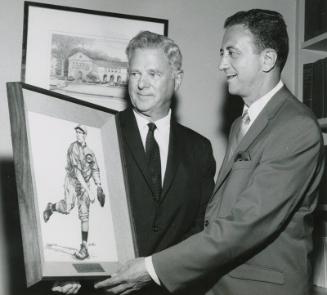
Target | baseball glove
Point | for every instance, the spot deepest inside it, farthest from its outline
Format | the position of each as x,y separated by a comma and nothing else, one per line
100,195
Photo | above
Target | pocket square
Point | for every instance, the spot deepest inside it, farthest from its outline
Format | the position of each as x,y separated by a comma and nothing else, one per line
243,156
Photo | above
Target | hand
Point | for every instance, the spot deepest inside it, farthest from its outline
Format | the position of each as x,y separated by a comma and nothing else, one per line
69,287
132,277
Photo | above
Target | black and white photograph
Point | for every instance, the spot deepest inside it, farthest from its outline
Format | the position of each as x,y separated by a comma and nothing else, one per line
158,147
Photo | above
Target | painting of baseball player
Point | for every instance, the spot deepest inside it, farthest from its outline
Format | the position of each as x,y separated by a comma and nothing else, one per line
81,169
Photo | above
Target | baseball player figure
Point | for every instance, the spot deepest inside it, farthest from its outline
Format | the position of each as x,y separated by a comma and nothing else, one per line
81,168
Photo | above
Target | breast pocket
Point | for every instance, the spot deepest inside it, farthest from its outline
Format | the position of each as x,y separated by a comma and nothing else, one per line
242,165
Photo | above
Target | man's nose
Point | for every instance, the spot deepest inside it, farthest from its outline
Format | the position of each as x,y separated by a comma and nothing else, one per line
143,82
223,64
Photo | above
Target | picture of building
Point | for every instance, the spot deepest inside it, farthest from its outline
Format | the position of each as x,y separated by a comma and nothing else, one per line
85,65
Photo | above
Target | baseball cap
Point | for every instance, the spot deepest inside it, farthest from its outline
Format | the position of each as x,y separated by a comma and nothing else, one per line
82,128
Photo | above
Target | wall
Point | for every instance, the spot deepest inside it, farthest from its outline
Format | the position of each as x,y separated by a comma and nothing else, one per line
197,28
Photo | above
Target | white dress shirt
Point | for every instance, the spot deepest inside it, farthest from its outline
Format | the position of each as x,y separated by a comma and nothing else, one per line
253,111
257,106
161,135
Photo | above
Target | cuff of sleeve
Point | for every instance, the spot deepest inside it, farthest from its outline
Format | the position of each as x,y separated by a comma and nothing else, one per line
150,269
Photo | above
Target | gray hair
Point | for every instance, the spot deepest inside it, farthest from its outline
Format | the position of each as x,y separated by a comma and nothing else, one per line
149,40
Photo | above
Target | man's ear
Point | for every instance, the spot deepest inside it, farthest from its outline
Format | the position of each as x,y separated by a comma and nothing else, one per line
269,59
178,76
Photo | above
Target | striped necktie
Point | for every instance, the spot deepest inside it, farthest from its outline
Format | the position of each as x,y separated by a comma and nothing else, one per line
244,127
245,124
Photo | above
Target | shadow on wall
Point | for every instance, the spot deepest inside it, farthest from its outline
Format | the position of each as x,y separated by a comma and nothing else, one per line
12,235
231,109
174,107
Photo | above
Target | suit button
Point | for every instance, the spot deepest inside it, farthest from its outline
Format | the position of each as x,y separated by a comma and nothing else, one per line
206,223
155,228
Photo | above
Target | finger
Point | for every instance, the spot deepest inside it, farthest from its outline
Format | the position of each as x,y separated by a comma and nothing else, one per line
77,288
111,282
70,291
74,289
56,289
66,288
119,289
70,288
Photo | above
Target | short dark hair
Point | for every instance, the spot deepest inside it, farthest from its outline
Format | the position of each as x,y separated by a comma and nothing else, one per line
268,28
146,39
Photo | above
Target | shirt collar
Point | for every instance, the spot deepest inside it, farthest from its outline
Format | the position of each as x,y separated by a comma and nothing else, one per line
257,106
161,124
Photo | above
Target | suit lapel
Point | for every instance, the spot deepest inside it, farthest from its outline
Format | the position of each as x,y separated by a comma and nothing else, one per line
173,160
253,133
133,139
258,126
232,137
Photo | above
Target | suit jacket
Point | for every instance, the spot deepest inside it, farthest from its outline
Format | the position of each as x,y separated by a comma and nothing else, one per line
257,236
188,183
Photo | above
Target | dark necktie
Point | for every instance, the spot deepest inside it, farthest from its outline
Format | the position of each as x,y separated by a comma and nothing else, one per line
153,160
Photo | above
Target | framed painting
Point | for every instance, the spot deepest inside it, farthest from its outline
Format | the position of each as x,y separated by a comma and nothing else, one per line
74,210
79,52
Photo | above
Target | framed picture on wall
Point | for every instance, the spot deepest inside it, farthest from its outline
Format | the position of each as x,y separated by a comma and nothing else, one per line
73,205
79,52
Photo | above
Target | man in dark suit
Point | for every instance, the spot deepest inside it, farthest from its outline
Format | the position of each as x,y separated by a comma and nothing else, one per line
179,212
169,196
187,163
258,225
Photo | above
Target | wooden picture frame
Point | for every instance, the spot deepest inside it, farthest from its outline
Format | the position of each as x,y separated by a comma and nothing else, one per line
80,52
43,126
